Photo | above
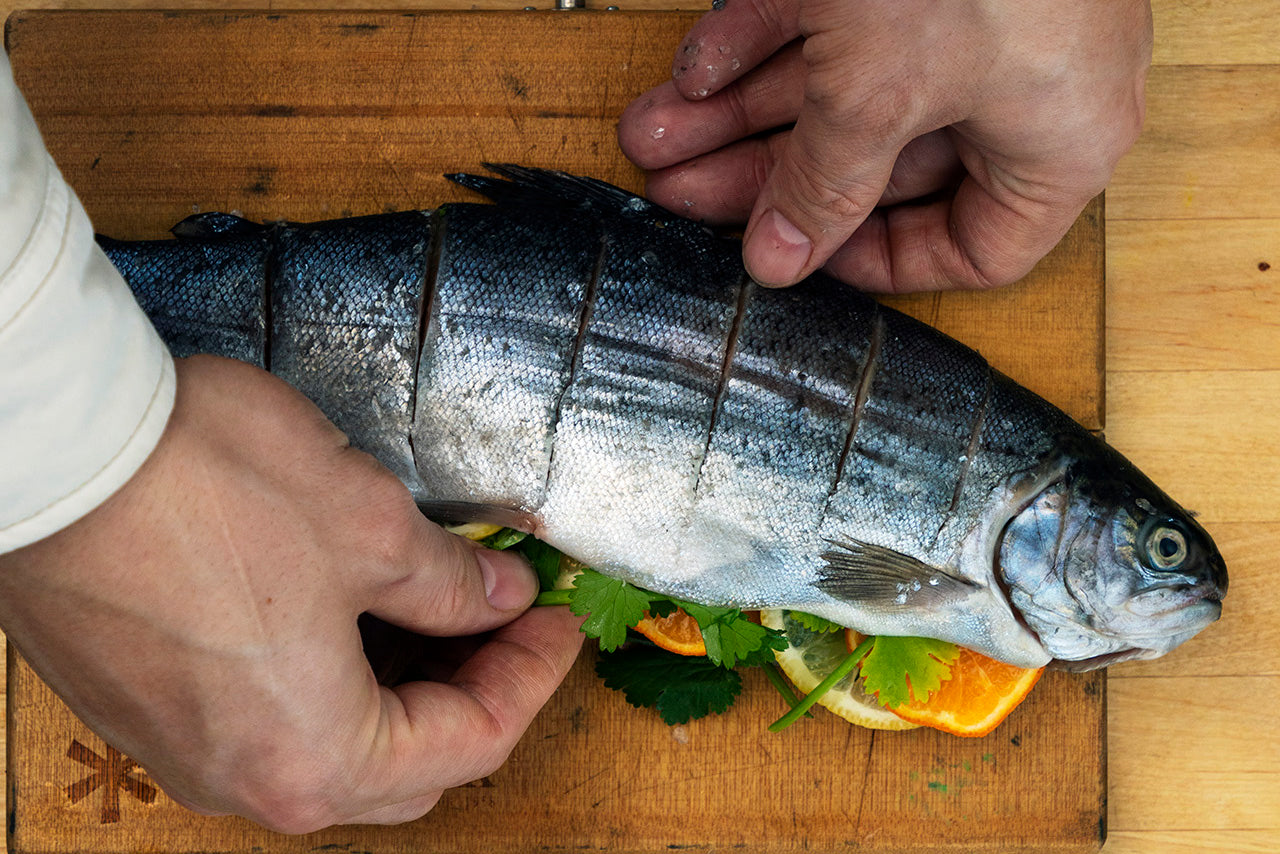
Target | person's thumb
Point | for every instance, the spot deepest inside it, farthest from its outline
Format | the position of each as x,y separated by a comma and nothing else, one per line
824,183
454,587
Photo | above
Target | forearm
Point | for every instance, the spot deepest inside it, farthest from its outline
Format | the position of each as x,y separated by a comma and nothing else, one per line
86,385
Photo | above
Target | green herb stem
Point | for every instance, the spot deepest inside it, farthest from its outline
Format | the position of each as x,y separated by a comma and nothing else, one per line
778,681
553,597
844,669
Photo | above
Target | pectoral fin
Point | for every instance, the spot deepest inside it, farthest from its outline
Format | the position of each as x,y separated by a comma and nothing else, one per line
870,574
460,511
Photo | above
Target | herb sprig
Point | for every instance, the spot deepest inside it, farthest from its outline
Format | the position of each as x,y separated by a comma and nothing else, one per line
683,688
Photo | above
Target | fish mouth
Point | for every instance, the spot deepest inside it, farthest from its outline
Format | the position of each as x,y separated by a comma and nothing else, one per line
1195,614
1105,660
1172,600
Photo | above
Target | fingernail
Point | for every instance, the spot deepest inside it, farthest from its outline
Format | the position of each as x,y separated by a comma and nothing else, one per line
776,252
509,583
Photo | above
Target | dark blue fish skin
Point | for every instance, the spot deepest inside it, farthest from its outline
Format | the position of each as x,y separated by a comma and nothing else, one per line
333,308
346,302
204,296
603,372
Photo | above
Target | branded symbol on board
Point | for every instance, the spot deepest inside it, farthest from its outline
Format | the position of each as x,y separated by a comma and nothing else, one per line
111,773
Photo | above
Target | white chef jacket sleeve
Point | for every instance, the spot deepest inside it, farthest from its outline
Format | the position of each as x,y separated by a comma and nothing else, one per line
86,384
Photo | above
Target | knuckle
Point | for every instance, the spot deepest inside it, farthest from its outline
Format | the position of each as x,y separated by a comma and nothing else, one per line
990,270
450,599
863,98
773,17
296,800
388,517
740,108
496,757
830,201
454,590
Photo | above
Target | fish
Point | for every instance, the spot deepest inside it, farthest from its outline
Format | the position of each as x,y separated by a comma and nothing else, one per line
571,360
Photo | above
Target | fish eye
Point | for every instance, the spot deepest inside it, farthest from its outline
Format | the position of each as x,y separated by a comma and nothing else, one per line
1166,547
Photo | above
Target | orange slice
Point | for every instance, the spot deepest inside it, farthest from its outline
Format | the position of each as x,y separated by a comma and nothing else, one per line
677,632
979,695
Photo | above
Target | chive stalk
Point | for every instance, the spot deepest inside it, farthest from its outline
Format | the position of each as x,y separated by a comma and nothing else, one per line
842,670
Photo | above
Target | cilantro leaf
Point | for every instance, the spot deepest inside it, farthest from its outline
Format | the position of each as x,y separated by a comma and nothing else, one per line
763,656
730,637
610,605
544,559
897,668
682,688
814,623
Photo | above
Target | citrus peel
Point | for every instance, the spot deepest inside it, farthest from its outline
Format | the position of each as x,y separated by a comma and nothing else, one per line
677,632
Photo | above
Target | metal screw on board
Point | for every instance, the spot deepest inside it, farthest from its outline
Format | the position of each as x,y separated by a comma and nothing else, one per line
571,4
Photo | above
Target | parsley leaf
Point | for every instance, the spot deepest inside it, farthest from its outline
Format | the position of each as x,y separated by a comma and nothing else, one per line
731,638
897,668
610,605
544,559
660,606
682,688
814,623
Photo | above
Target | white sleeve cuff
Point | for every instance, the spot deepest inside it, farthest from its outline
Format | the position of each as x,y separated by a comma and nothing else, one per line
86,384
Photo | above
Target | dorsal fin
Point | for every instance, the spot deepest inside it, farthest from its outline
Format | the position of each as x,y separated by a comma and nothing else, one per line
205,225
528,187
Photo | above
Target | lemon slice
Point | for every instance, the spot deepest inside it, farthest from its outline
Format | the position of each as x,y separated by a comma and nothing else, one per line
807,660
474,530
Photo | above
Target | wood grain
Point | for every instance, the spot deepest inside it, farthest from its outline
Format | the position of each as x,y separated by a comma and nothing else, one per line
594,774
1236,480
1215,32
1219,298
1193,344
1210,147
1160,182
307,116
1193,841
1227,796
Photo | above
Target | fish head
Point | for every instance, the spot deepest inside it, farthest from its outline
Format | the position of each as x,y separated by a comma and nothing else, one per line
1104,567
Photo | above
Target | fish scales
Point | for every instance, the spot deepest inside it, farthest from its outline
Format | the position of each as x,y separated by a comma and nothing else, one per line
912,444
218,299
602,372
345,306
778,444
484,431
637,416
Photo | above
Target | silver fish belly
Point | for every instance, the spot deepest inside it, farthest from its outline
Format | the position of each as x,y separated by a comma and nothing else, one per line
580,363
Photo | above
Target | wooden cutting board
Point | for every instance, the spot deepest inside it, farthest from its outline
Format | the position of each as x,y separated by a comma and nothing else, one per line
309,115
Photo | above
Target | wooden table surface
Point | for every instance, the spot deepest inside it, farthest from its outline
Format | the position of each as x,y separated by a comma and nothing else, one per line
1193,373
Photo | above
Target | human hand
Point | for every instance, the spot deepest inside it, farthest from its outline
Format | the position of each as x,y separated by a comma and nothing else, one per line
935,145
203,619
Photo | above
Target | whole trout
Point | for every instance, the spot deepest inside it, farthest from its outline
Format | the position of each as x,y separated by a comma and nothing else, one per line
583,365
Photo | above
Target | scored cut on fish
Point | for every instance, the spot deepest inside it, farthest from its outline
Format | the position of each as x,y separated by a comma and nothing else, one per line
577,362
